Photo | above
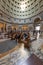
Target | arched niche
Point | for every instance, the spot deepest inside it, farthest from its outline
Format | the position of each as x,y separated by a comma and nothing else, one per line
24,27
15,27
37,21
37,26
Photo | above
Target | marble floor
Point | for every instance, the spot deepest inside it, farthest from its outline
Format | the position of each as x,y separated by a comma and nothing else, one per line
17,57
22,54
7,45
36,48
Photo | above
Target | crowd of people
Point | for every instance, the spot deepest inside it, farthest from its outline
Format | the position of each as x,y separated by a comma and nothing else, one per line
20,37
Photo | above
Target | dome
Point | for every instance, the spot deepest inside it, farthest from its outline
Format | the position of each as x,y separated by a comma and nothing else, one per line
21,9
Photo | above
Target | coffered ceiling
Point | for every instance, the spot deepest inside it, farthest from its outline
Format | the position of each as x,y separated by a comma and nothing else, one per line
21,8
